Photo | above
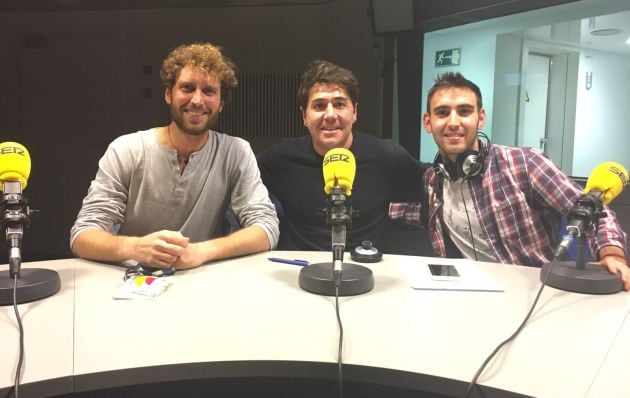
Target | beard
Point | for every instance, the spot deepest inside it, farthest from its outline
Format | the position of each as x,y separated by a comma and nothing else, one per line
190,128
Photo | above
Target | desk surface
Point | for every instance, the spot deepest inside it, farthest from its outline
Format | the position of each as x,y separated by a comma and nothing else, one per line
251,312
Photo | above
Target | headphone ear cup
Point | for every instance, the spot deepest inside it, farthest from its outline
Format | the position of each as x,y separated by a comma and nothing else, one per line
440,168
469,165
441,171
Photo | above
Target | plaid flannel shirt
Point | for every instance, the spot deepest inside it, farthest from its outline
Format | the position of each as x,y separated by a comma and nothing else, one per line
520,199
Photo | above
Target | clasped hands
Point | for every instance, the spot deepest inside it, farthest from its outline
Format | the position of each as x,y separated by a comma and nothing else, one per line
167,249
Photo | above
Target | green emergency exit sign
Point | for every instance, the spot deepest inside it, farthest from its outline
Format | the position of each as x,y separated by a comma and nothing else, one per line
449,57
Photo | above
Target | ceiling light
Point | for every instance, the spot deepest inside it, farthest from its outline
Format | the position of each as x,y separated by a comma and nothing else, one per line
605,32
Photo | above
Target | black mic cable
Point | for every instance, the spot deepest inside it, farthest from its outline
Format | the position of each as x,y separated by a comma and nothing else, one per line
340,343
338,251
340,215
18,370
473,382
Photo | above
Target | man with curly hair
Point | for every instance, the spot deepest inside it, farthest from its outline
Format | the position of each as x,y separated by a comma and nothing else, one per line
160,195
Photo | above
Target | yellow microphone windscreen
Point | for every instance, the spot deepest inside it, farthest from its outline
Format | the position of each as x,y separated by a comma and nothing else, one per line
339,168
15,162
609,178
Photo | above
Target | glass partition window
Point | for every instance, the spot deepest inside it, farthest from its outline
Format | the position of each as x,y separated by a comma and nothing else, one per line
557,79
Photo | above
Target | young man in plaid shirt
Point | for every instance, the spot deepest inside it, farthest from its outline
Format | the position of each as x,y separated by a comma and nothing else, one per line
493,202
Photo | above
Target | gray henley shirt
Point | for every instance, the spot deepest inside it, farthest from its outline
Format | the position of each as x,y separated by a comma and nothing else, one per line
138,186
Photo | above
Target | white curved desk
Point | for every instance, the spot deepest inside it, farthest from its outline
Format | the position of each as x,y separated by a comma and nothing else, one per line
247,317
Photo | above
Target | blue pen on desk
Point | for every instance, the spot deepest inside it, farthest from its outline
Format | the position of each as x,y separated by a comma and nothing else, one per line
301,263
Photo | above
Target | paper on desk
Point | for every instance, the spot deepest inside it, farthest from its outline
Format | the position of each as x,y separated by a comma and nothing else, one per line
142,287
472,278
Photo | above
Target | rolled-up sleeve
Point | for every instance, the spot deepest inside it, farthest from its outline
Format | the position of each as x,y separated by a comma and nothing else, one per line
250,198
104,205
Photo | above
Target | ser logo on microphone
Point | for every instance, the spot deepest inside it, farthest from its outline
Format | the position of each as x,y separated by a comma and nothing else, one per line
621,173
11,149
336,157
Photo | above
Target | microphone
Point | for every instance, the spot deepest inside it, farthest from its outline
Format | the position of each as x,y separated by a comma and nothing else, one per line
605,183
339,169
15,163
15,168
32,283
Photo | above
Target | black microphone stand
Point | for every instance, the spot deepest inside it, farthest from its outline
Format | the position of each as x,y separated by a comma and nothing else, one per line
580,276
32,283
325,278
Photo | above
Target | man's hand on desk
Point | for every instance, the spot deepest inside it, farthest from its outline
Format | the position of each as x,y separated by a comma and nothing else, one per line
192,256
615,260
160,249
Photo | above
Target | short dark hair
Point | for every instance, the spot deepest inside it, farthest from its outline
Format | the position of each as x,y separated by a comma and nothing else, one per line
205,56
453,80
324,72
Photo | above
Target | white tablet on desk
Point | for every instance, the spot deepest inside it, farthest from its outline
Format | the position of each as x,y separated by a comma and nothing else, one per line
447,274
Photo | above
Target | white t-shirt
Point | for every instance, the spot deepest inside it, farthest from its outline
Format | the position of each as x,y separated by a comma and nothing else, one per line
460,217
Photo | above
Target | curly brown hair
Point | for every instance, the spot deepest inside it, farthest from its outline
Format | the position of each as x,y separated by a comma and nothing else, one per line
205,56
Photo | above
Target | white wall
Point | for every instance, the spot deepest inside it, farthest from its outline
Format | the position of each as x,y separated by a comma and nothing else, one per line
507,88
477,65
602,131
600,134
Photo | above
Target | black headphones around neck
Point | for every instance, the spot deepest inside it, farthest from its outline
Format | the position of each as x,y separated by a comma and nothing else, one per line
467,165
